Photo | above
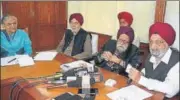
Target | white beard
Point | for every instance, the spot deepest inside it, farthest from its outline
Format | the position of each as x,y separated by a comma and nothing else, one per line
121,48
157,53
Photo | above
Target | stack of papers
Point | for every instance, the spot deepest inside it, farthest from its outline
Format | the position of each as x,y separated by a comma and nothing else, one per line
131,92
45,56
25,60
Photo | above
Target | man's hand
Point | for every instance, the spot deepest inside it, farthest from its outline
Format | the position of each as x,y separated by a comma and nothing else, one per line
115,59
134,74
107,55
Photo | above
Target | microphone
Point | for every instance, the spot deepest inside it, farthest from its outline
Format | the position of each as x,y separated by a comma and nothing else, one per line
129,79
56,76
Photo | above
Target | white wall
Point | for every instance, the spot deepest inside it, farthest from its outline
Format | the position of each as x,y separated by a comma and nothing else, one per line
172,17
101,16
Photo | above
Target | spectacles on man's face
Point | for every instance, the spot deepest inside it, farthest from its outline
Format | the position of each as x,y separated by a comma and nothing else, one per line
157,42
74,23
123,41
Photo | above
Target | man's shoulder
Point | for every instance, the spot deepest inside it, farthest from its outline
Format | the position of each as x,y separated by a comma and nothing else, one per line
134,48
83,31
175,53
110,45
111,42
174,50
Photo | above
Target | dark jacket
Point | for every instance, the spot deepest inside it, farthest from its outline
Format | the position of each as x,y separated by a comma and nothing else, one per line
79,40
130,56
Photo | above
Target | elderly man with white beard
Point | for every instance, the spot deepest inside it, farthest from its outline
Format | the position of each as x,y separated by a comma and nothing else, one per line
161,70
117,54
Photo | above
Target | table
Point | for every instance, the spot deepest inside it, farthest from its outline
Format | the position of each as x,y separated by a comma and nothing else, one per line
44,68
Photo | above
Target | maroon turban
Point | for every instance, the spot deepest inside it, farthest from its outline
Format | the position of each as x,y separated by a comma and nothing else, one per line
128,31
126,16
78,17
164,30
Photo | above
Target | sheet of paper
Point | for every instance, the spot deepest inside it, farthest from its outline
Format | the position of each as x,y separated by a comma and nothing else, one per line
129,93
47,56
25,60
76,64
128,68
10,60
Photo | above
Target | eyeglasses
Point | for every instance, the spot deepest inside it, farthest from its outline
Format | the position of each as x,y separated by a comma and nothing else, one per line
74,23
123,41
158,42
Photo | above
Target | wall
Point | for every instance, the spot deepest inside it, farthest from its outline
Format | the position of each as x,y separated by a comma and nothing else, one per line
101,16
172,17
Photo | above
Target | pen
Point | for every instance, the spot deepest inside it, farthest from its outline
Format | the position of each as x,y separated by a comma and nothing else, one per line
11,60
66,66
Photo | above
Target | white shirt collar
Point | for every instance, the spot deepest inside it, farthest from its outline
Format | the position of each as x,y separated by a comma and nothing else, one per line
164,59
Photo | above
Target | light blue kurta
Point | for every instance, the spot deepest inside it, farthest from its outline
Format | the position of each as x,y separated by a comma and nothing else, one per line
17,41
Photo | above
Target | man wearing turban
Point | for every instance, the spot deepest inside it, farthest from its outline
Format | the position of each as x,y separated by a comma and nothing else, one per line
117,54
76,41
161,70
125,19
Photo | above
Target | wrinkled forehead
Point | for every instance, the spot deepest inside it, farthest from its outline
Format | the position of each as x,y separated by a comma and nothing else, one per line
10,19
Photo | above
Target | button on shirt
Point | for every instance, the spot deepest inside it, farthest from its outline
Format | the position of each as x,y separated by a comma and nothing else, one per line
171,84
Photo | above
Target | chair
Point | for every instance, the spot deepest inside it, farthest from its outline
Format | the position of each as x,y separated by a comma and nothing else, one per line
98,40
136,41
94,42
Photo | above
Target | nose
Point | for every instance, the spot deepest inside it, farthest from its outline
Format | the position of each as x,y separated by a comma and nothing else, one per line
13,25
153,46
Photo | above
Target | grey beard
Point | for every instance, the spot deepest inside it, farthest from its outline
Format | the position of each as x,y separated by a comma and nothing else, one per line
121,49
158,53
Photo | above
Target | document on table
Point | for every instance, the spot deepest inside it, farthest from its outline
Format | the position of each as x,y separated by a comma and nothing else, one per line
22,60
129,93
47,56
11,60
25,60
